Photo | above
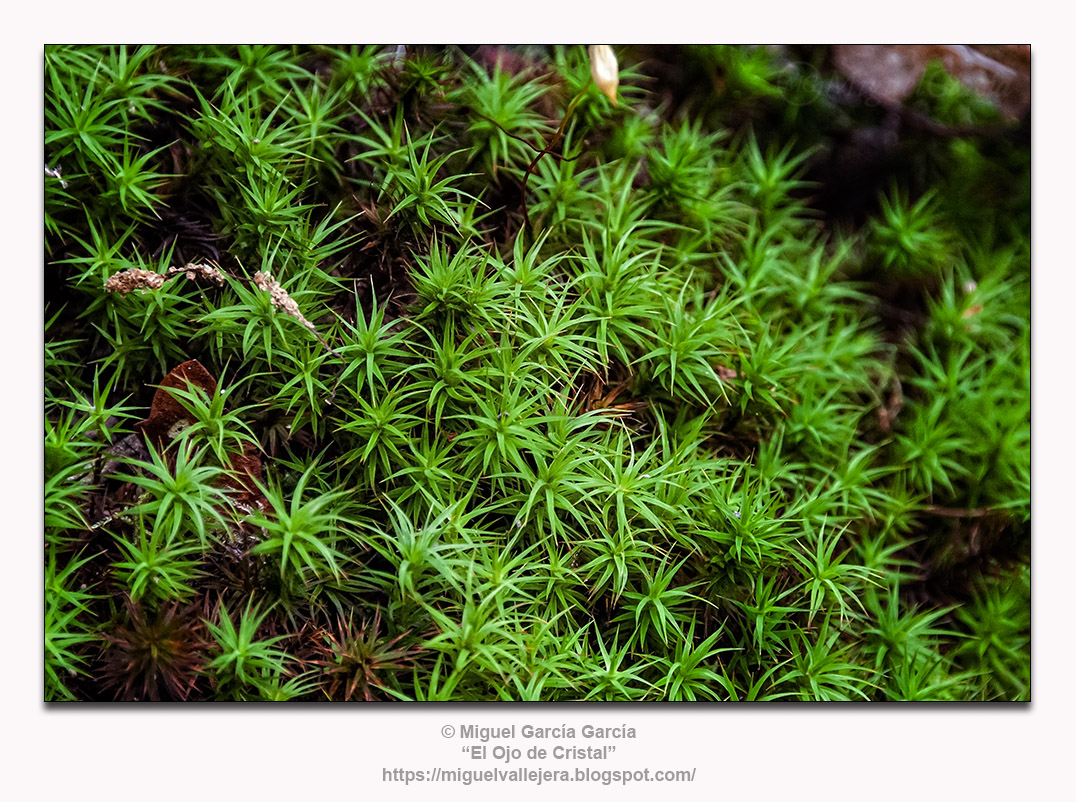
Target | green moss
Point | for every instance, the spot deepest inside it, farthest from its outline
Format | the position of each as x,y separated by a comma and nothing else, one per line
627,419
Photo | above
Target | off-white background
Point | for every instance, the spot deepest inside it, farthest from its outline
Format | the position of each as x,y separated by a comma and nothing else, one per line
335,752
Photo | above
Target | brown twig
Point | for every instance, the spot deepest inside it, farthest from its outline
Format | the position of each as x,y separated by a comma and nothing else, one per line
547,149
953,512
531,145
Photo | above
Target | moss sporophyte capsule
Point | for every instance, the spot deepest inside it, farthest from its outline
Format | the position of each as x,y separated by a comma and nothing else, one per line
604,70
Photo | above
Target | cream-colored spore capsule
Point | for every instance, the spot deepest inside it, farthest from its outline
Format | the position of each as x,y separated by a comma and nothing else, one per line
604,70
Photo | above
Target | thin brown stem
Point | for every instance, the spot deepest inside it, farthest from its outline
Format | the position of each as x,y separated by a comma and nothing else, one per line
952,512
531,145
548,148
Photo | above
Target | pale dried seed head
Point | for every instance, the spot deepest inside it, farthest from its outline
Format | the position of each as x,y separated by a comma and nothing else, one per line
134,279
196,271
280,298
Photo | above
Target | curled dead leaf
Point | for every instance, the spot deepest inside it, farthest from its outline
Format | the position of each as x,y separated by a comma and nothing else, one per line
167,416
